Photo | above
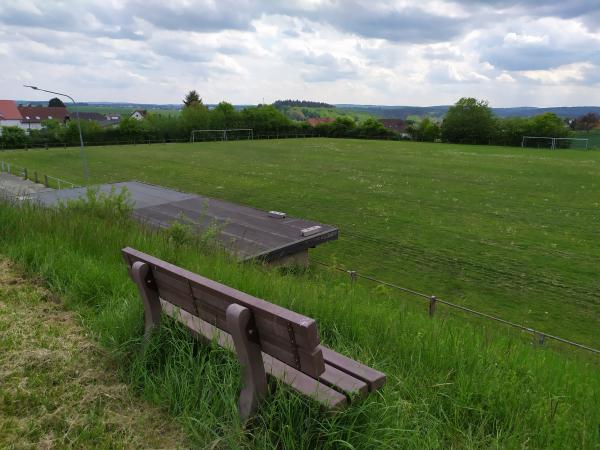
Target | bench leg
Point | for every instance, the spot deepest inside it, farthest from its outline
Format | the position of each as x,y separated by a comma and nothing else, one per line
250,357
149,296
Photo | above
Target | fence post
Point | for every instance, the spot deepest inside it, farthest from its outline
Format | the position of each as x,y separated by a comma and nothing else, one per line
35,177
432,304
541,338
352,274
2,166
46,181
25,173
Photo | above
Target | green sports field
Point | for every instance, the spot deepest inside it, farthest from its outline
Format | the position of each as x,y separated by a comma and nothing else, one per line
507,231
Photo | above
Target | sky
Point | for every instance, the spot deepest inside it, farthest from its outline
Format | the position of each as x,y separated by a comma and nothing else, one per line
430,52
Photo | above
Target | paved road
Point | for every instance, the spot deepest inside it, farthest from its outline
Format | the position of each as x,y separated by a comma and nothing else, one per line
13,186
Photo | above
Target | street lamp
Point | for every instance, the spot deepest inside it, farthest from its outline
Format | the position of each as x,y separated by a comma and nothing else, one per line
86,175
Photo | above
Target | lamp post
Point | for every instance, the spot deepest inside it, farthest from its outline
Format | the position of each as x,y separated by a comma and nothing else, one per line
86,175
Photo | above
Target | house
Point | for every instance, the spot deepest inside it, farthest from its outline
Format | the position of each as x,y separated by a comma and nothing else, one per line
314,121
33,116
139,114
104,120
9,114
397,125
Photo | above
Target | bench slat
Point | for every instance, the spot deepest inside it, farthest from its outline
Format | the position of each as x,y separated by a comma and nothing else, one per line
284,334
176,291
372,377
279,370
343,382
266,321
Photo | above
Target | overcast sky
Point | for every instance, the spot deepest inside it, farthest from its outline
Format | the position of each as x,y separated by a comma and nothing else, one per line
512,53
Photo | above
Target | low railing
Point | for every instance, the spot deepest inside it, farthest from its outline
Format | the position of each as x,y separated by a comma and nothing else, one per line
433,301
47,180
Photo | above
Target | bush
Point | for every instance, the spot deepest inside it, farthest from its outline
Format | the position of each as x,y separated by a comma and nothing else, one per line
13,137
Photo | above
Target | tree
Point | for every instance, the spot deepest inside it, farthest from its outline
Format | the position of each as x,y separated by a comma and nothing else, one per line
341,127
510,130
194,117
224,116
265,119
13,137
587,122
373,128
427,130
547,124
56,102
468,121
192,99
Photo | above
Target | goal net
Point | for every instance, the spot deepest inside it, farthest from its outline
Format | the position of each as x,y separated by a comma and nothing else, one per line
221,135
554,143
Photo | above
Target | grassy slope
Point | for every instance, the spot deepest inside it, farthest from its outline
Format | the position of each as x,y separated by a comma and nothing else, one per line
334,113
511,232
449,384
58,387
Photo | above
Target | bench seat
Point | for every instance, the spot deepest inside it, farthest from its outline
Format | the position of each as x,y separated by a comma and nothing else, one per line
268,339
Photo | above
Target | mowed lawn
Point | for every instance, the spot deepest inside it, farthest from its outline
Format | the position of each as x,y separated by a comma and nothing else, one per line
507,231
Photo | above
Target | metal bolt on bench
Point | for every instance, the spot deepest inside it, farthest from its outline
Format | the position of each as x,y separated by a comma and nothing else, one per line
268,339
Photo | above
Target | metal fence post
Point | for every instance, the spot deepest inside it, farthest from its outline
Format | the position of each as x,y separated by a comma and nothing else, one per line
541,338
25,173
432,304
46,181
353,276
35,177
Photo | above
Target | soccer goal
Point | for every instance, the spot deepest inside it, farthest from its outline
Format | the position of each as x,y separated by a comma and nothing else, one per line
554,143
221,135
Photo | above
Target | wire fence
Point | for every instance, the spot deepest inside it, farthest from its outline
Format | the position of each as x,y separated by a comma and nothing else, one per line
433,301
48,181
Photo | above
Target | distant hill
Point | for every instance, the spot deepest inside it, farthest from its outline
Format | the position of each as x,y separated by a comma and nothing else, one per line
404,112
303,109
302,104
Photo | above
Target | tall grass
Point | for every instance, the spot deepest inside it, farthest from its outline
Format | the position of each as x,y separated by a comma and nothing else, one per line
450,383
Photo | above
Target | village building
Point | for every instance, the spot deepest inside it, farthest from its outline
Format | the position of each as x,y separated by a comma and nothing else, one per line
34,116
9,114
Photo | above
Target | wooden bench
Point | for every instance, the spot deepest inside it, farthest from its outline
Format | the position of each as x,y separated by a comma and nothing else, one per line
268,339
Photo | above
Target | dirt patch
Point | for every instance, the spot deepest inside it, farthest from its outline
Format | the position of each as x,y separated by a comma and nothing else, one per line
57,390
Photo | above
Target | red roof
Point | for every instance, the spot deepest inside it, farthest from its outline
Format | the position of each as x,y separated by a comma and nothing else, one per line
314,121
35,114
9,111
394,124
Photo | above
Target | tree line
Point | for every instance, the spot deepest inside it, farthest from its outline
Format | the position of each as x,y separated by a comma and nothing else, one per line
471,121
468,121
301,103
159,127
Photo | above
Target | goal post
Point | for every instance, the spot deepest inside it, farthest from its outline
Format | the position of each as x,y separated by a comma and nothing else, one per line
208,135
553,143
239,133
224,134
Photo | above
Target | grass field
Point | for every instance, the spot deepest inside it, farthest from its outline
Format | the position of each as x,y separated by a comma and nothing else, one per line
507,231
449,384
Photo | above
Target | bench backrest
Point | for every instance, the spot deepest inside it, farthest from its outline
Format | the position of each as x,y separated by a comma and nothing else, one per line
281,333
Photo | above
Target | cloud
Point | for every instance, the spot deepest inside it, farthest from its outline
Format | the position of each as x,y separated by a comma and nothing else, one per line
350,51
566,74
201,16
72,16
326,67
